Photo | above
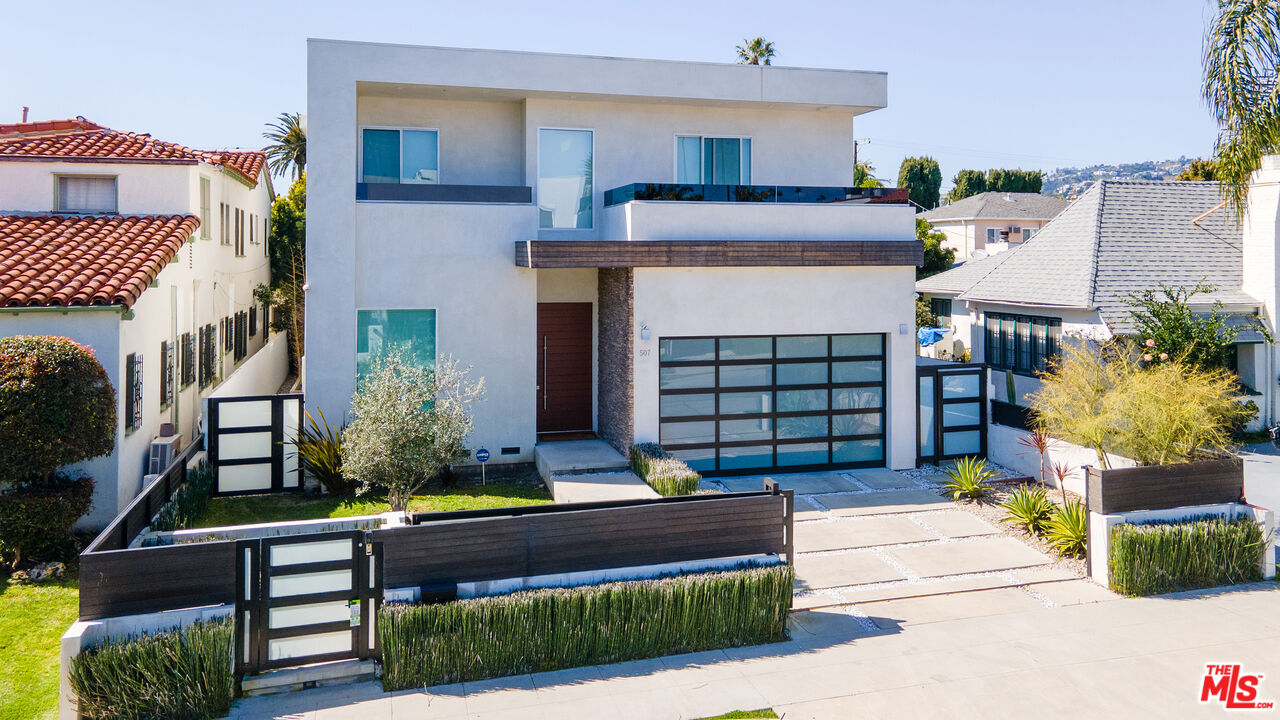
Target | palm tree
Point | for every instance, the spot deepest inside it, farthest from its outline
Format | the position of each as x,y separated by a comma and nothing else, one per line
288,148
1241,54
755,52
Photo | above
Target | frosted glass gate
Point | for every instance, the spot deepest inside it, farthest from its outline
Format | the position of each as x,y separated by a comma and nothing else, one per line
952,410
306,598
250,443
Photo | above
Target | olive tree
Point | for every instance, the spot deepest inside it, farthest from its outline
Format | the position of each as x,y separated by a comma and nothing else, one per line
408,423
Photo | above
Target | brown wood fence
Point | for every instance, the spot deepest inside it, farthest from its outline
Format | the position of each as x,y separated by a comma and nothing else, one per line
138,513
1158,487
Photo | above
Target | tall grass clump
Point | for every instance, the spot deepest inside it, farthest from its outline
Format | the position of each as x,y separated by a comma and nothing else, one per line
188,502
182,674
319,448
666,474
1156,558
557,628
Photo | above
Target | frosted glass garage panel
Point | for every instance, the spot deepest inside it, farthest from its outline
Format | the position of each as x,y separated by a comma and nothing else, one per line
243,446
239,478
960,386
958,414
311,552
314,614
307,645
961,443
291,411
250,413
309,583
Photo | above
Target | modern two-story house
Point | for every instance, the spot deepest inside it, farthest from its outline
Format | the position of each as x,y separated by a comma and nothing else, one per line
641,250
146,251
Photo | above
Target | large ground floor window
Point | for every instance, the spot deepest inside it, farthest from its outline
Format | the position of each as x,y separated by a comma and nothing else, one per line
795,402
409,331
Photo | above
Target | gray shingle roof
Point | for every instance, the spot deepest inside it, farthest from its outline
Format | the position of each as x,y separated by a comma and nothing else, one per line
962,276
1000,206
1118,237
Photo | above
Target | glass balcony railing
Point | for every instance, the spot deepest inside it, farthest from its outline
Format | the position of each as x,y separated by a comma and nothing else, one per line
430,192
675,192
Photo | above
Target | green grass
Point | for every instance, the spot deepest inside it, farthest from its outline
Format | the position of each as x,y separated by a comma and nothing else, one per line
743,714
248,509
1157,558
32,620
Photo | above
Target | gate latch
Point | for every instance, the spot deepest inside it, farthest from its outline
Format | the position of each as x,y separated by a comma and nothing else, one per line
355,613
368,549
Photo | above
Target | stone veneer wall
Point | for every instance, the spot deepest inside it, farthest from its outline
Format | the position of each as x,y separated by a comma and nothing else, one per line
616,311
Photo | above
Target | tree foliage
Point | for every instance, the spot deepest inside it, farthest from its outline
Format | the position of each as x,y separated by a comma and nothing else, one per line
1241,58
57,407
967,183
1169,328
922,178
408,423
924,314
757,51
287,256
1107,399
936,258
287,151
1199,169
864,176
1014,181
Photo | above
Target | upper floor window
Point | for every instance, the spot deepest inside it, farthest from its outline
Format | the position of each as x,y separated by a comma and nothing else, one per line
86,194
399,156
993,235
1027,233
713,160
1021,343
205,201
565,169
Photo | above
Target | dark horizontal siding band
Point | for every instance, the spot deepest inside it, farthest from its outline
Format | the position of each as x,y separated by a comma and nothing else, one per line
716,253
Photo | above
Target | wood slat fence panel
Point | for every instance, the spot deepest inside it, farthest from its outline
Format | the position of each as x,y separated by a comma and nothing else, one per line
143,580
1159,487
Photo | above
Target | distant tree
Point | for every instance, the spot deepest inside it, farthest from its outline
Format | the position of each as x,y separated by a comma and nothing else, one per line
287,152
287,257
936,258
967,183
864,176
756,52
923,179
924,314
1199,169
1014,181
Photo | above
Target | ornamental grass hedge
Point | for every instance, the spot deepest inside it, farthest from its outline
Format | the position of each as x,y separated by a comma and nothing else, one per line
558,628
1156,558
666,474
182,674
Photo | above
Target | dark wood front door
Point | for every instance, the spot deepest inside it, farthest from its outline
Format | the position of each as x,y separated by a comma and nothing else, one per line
564,367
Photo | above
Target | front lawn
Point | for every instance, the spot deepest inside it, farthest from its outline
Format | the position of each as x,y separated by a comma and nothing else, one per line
282,507
32,620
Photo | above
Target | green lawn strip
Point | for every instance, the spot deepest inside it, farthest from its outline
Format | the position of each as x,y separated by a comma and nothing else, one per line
766,713
32,621
283,507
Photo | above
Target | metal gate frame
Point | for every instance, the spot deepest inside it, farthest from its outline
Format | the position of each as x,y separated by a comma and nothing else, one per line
253,600
936,371
276,428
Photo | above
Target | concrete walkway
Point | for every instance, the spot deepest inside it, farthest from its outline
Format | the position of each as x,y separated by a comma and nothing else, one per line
914,659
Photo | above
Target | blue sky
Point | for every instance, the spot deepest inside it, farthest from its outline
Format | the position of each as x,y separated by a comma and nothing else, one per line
974,84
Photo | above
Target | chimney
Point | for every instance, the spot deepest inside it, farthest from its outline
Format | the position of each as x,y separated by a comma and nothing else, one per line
24,113
1261,271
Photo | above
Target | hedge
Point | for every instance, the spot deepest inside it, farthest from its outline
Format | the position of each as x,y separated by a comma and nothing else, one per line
664,473
36,519
182,674
1156,558
557,628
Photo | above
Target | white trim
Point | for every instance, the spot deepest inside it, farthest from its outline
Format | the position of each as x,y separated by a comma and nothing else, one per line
400,128
537,175
675,154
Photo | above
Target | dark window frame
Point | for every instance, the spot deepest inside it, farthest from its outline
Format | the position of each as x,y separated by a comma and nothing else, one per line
941,309
133,397
1023,344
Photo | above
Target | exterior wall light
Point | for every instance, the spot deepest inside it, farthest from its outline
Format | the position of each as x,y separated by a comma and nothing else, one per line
644,331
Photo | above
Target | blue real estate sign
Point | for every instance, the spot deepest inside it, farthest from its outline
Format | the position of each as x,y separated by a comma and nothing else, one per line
482,455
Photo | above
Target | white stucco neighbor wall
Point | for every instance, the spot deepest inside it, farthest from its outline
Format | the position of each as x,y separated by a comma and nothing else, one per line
1261,277
1003,448
677,302
262,373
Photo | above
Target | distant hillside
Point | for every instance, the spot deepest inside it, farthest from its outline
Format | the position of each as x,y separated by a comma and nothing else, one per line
1070,182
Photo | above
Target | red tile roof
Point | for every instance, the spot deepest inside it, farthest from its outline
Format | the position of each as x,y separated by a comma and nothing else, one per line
80,139
68,260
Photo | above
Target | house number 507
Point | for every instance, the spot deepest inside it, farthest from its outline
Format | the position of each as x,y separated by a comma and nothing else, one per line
643,352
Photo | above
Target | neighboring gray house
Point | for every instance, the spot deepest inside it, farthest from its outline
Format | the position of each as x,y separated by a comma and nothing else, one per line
1012,309
992,222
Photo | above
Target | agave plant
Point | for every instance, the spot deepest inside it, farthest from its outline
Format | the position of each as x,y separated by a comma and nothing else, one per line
320,453
1067,529
968,478
1029,508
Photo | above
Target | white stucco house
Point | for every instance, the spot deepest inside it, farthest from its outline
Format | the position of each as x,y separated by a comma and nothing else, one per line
992,222
146,251
1013,309
641,250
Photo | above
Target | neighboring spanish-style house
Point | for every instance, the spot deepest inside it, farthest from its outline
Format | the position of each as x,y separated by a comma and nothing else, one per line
992,222
1012,310
144,250
644,250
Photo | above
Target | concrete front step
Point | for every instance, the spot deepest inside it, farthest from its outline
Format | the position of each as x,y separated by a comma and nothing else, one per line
595,487
308,676
577,457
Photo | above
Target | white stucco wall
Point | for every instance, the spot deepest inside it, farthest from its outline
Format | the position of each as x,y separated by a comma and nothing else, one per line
676,302
1261,277
658,220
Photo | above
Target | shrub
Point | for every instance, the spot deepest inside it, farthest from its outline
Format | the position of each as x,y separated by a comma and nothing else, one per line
1067,529
552,629
1028,508
665,474
57,407
968,478
36,519
320,452
183,674
189,501
1156,558
408,424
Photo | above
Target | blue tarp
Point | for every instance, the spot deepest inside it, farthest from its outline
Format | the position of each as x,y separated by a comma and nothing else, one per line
928,336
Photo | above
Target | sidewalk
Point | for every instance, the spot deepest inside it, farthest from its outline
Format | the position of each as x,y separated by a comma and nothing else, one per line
1117,658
